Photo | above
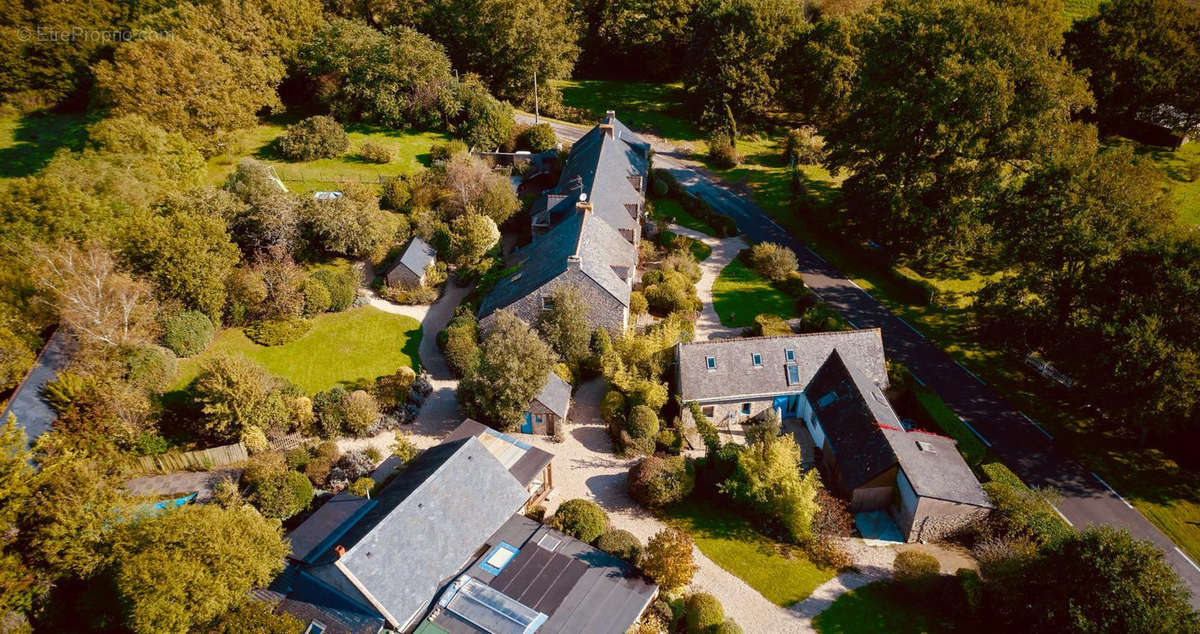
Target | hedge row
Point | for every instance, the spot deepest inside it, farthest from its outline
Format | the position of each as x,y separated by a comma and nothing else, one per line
722,224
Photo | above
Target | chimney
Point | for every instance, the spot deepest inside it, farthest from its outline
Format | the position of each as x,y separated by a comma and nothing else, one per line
340,550
574,262
606,129
610,116
583,207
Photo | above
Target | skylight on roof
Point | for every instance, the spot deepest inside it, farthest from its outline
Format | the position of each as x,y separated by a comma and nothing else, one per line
499,558
789,354
926,446
793,374
710,362
492,610
756,358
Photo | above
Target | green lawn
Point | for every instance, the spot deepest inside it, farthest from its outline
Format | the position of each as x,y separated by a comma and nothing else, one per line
1177,167
350,347
779,572
410,151
670,210
740,295
28,142
1080,9
643,106
879,608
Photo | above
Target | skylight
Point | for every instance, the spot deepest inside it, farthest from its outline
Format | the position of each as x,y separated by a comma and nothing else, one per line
793,374
499,558
756,358
711,362
926,446
790,354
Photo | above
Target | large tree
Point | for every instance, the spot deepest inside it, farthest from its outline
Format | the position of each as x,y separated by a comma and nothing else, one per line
953,99
235,393
1142,58
640,39
565,325
513,366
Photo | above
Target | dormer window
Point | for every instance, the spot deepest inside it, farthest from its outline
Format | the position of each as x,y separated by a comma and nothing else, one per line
789,354
756,359
710,363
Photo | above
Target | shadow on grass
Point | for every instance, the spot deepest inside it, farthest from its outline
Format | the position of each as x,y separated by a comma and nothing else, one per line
36,137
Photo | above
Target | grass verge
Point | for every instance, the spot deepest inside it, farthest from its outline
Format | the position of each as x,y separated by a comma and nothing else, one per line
876,608
740,295
670,210
779,572
348,348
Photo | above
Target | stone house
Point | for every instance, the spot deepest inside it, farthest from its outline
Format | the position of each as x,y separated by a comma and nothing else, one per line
409,269
548,408
586,230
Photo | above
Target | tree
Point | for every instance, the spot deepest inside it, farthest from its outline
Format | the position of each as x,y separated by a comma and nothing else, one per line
98,304
730,73
949,99
330,409
657,482
539,138
484,122
668,559
767,478
582,519
565,327
399,78
282,494
254,617
471,237
1141,58
234,393
644,39
185,567
342,284
187,333
461,345
18,584
281,279
773,261
820,70
352,226
513,366
474,187
313,138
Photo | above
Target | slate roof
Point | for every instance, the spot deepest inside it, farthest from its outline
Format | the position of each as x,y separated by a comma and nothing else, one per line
555,395
735,374
312,537
578,587
310,599
524,461
423,526
868,438
600,166
417,255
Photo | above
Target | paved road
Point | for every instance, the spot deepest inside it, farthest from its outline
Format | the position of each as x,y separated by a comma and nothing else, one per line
1025,449
34,414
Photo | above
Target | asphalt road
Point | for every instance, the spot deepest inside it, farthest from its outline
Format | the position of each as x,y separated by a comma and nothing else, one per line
1022,446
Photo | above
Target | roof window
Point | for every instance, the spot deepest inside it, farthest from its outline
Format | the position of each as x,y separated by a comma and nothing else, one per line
756,359
793,374
926,446
789,354
710,363
499,558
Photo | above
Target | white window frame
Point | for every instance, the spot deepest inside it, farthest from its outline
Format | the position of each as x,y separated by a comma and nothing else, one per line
756,359
710,363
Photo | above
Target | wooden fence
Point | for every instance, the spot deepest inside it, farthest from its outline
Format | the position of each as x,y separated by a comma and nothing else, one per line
198,460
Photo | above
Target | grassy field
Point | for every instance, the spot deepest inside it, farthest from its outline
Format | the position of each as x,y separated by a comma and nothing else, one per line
670,210
779,572
740,295
643,106
410,151
878,608
1081,9
1181,175
28,142
350,347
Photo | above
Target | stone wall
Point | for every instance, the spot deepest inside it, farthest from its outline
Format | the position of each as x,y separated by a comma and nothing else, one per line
936,520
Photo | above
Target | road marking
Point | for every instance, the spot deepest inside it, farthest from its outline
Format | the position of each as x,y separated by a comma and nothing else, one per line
1189,559
854,284
973,375
976,432
1060,514
1114,491
910,326
917,379
814,253
1034,423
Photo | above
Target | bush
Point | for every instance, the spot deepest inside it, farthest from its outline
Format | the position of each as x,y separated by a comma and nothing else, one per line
637,303
150,367
329,407
770,324
643,422
538,138
316,297
656,482
722,153
313,138
443,151
391,390
802,146
581,519
255,440
188,333
375,153
667,559
729,626
773,261
622,544
362,487
612,408
282,495
461,342
296,459
701,612
277,332
342,284
914,568
317,470
359,412
410,295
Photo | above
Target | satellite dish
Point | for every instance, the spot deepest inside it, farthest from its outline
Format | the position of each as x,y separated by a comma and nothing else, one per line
582,197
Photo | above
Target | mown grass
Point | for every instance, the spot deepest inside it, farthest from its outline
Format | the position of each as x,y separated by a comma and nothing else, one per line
348,348
740,295
670,210
410,152
651,107
1181,176
879,608
1080,10
29,141
779,572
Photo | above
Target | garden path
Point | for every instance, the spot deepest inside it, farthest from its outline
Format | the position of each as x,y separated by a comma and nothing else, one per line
708,324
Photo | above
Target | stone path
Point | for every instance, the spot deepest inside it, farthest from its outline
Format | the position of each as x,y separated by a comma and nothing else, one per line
708,324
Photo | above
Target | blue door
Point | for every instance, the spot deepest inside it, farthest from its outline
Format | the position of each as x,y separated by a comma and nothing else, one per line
781,405
527,426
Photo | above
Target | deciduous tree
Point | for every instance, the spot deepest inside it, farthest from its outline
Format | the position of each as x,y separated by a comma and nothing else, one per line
513,366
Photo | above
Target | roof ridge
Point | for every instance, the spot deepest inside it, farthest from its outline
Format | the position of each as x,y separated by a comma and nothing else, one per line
791,336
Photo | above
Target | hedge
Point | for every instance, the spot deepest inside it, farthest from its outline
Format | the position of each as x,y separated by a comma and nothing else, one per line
722,224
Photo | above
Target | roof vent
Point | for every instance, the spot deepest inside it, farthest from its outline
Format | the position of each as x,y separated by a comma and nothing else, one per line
926,446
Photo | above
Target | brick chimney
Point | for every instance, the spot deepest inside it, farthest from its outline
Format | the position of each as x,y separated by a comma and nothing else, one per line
340,550
574,262
583,207
606,129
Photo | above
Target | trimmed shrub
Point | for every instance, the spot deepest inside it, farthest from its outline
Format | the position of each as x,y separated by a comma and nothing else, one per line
701,612
621,543
722,153
391,390
296,459
582,519
612,408
914,568
316,297
151,367
460,343
637,303
375,153
359,412
656,482
771,324
729,626
538,138
313,138
643,422
255,440
342,284
773,261
282,495
276,332
443,151
188,333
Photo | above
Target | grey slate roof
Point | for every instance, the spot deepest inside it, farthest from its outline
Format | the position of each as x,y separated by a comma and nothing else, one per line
735,374
868,438
525,468
580,588
417,255
309,599
424,525
310,538
555,395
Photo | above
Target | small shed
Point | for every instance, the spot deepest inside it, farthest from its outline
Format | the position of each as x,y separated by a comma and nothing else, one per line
409,268
547,408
